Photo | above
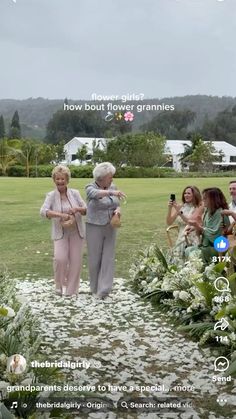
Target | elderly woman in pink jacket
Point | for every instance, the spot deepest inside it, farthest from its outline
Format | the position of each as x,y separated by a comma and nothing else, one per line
65,207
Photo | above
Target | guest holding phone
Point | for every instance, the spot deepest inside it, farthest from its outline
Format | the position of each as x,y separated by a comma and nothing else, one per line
180,214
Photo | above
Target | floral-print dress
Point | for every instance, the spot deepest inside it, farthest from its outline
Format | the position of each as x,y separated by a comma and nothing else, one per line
193,239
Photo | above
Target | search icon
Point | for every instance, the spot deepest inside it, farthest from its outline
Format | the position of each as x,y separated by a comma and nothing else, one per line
124,404
221,284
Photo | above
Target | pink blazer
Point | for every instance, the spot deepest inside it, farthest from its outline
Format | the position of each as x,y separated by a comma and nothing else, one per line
53,203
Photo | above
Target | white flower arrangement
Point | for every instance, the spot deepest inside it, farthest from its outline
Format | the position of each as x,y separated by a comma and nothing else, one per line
183,295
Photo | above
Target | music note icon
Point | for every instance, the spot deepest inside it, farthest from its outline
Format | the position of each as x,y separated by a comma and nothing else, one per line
14,405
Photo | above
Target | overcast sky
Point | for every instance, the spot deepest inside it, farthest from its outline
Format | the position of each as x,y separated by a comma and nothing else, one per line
73,48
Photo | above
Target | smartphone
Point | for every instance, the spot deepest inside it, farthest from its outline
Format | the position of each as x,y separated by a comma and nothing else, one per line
172,197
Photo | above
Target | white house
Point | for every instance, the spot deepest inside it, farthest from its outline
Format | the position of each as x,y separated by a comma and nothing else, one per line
175,148
72,147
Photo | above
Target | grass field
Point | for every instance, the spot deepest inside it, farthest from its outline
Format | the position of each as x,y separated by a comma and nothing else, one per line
26,247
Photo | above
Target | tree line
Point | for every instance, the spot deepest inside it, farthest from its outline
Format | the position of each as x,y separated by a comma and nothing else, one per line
145,148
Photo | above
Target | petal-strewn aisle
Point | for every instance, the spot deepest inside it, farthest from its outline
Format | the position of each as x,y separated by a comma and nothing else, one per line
125,343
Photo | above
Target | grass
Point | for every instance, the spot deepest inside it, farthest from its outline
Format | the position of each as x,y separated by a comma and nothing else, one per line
24,233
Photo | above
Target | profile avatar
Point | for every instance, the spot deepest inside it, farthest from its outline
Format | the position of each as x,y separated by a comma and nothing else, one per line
16,364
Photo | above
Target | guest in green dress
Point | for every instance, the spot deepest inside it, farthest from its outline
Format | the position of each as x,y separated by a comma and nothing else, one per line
215,223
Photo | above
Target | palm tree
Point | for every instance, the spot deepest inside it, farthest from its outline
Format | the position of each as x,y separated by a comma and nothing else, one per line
189,149
8,156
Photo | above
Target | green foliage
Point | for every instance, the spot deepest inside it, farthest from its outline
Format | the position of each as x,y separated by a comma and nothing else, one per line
27,153
202,157
199,155
232,283
232,367
117,127
15,129
208,291
25,397
81,171
196,330
144,172
172,124
160,256
8,155
187,293
223,127
10,344
64,125
16,171
82,153
35,113
2,127
145,150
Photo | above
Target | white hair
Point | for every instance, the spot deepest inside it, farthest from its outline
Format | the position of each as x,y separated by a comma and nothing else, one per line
103,169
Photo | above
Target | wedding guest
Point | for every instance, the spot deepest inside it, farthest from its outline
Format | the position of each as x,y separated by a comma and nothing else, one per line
232,205
65,207
215,222
102,203
180,214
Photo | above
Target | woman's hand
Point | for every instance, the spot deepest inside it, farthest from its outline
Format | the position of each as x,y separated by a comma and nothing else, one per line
64,216
176,206
117,211
81,210
118,194
73,211
188,229
197,226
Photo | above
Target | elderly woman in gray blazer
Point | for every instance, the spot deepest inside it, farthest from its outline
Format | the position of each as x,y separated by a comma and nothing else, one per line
102,202
65,207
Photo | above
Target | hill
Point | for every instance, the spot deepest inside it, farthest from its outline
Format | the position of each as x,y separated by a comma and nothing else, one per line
35,113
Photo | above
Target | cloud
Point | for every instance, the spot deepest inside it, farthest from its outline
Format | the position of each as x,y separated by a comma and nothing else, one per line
162,47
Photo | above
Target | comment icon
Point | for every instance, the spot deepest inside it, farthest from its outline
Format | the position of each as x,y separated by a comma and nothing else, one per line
222,284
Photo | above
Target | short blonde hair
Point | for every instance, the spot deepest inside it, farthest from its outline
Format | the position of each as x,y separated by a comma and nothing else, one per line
103,169
61,170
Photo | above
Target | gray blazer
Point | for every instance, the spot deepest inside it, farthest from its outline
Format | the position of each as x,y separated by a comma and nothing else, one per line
100,210
53,202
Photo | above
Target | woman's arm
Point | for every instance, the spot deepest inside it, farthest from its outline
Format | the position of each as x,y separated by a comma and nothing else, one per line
46,211
214,226
229,213
94,193
195,217
172,213
82,208
56,214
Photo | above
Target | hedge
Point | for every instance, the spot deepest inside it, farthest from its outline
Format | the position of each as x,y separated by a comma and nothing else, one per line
122,172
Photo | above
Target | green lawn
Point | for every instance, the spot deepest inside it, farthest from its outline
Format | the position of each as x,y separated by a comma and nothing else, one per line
24,233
